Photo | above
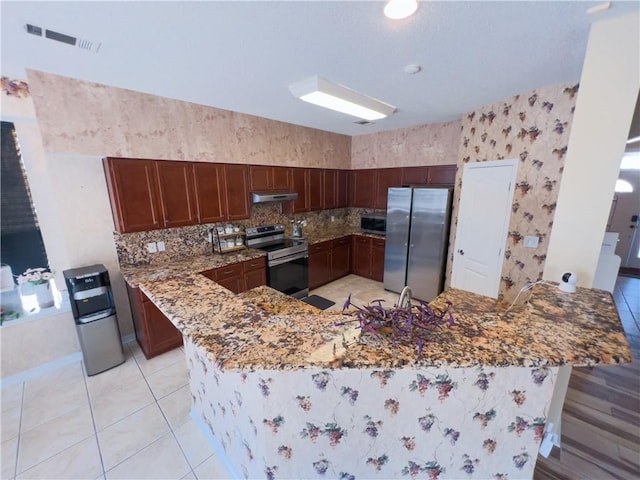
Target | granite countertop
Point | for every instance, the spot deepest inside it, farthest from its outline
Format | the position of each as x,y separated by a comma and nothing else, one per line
136,274
263,329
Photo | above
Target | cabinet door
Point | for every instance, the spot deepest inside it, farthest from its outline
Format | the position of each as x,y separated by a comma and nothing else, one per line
133,191
377,260
315,189
340,258
260,178
361,259
237,191
255,273
300,184
255,278
330,190
386,178
343,189
442,175
235,284
363,188
162,334
281,178
175,184
208,180
415,175
319,269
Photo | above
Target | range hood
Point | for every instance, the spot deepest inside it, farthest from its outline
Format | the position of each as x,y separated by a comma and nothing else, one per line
271,197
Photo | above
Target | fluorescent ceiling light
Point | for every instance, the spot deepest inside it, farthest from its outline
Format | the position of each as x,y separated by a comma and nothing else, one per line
330,95
633,140
397,9
622,186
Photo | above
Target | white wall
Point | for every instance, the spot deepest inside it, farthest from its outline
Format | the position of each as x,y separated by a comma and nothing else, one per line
608,90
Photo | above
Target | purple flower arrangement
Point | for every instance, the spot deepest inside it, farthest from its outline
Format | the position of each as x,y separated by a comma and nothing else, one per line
414,323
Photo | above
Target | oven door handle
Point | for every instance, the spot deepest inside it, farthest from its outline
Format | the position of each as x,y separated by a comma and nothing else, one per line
280,261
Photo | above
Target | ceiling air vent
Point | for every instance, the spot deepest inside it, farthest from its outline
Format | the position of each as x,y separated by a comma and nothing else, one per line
63,38
364,122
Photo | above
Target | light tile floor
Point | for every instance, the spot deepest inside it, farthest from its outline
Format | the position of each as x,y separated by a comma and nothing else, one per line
133,420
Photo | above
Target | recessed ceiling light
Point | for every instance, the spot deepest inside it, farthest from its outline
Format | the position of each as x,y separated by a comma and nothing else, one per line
412,69
397,9
336,97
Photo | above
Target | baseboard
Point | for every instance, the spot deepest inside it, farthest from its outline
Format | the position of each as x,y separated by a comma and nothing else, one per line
40,370
216,445
630,272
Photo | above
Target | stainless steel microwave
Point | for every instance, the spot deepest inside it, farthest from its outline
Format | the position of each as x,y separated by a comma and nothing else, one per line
374,224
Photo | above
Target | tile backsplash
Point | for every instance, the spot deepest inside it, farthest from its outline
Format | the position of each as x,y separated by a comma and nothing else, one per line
193,240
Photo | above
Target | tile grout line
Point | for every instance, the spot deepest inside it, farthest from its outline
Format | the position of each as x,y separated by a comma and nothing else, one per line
93,420
15,463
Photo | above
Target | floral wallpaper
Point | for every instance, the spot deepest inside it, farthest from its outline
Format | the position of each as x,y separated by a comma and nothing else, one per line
434,423
533,128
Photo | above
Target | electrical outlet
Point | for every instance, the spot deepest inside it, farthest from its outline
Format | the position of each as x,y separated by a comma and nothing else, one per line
333,219
160,246
151,247
531,241
210,236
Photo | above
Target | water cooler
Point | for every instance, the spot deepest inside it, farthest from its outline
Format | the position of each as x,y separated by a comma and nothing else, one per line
94,312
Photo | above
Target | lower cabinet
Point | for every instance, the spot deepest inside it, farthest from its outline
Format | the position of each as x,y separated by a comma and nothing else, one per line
377,259
368,257
239,277
329,261
154,332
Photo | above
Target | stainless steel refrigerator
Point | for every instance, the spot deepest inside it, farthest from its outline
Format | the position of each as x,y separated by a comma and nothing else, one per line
417,240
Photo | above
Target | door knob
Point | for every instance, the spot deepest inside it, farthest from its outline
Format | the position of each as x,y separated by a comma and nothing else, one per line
461,252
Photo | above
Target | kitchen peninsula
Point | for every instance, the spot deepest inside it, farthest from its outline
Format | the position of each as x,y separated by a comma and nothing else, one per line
282,397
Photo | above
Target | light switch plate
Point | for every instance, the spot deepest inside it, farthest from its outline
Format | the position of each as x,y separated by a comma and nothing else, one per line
160,246
531,241
151,247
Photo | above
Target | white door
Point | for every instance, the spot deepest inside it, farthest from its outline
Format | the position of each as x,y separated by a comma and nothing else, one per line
483,221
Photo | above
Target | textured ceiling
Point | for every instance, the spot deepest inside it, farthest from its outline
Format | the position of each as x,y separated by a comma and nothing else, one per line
243,55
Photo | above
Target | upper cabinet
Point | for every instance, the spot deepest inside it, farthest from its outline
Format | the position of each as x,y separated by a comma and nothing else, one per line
237,191
343,188
330,189
385,179
177,198
153,194
316,189
267,178
211,196
363,188
443,175
133,191
300,184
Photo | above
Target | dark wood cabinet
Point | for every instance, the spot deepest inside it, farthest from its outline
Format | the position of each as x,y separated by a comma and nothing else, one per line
319,264
377,259
268,178
240,277
177,196
385,179
300,184
255,273
444,175
237,191
343,188
361,256
211,197
316,188
340,257
133,192
154,332
330,189
415,175
363,188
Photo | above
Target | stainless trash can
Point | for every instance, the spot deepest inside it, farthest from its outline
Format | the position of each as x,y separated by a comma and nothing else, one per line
94,313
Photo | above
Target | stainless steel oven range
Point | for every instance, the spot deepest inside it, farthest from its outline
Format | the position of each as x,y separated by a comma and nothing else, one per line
287,259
